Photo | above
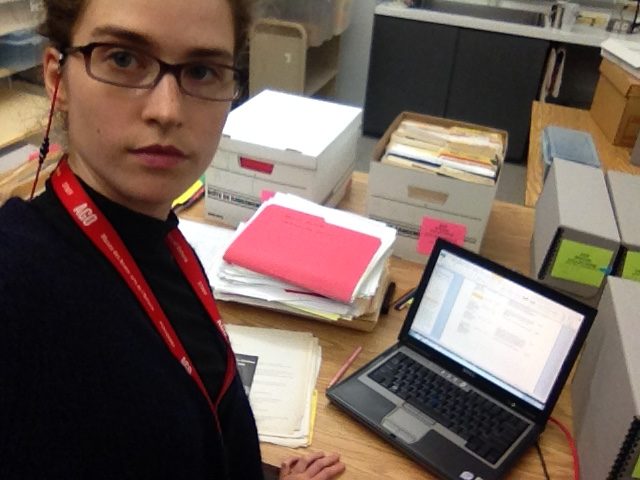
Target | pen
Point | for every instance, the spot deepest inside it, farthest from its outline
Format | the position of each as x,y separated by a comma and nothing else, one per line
405,304
403,301
344,367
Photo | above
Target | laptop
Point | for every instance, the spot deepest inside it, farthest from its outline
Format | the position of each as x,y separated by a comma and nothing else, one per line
479,364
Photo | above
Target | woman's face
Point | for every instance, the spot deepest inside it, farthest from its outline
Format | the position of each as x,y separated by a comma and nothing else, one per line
144,147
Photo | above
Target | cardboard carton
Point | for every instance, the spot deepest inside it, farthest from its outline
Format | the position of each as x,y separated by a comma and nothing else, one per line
624,190
606,386
281,142
575,239
402,197
616,104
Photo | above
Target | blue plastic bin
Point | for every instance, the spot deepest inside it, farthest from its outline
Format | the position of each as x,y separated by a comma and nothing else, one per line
20,50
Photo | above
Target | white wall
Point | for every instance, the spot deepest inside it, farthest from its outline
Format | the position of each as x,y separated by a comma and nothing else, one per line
354,54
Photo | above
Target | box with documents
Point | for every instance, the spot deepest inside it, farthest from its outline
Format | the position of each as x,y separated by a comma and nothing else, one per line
281,142
438,168
314,261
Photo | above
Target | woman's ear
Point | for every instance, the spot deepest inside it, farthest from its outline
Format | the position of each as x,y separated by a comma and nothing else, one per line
52,70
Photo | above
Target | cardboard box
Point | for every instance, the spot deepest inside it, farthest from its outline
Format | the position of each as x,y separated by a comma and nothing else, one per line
624,191
635,153
606,386
402,197
231,207
616,104
281,142
575,239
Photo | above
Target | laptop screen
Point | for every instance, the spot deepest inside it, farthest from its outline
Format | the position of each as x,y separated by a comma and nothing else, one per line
494,327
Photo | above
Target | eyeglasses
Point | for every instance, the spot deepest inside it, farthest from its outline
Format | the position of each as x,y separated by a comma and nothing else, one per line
131,68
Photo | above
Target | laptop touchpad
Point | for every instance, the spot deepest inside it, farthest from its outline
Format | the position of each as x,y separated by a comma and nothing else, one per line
406,425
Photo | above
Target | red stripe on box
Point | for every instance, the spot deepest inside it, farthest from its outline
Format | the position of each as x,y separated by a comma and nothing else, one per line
256,165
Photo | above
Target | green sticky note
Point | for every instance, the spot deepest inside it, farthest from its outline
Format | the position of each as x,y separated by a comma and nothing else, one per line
636,469
631,269
581,263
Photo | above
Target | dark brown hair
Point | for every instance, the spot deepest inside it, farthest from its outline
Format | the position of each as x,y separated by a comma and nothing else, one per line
61,17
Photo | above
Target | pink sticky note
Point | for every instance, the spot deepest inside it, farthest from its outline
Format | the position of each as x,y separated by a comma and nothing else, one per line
266,195
432,228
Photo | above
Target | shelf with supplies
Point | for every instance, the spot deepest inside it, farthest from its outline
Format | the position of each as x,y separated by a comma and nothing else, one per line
23,106
19,51
17,15
282,58
23,113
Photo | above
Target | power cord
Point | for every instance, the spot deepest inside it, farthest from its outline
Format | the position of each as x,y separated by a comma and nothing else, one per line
572,447
542,462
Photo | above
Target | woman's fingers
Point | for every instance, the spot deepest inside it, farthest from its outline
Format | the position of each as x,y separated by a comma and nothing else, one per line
303,462
326,467
314,466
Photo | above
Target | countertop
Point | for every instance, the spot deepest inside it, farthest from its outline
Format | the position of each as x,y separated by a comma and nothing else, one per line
578,35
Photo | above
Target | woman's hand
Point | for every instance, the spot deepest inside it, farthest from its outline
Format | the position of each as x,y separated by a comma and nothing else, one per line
315,466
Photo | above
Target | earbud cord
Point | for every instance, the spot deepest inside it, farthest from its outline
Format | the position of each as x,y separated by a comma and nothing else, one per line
44,147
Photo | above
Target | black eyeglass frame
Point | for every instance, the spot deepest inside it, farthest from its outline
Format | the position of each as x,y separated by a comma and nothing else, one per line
174,69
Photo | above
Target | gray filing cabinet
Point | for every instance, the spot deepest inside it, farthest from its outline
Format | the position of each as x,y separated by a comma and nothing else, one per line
471,75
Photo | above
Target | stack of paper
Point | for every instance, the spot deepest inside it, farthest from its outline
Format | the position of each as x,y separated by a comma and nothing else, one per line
297,256
284,368
624,53
460,152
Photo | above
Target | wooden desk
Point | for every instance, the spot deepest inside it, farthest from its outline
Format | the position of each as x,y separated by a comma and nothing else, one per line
366,455
543,114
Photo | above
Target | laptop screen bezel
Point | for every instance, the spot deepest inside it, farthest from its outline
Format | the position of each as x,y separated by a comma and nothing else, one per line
507,398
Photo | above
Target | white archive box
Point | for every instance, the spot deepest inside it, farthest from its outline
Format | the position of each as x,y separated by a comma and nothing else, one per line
624,191
605,389
285,143
575,238
402,197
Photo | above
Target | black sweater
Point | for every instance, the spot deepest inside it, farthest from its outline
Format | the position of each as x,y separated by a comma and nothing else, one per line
88,388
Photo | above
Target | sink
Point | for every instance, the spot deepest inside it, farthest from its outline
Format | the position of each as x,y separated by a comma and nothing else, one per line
522,17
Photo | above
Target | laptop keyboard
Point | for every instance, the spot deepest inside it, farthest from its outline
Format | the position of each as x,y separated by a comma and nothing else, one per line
489,430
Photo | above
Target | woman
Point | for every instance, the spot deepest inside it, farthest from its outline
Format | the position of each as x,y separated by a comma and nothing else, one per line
113,362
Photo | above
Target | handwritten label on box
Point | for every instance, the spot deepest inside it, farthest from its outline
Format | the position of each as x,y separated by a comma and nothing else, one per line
432,228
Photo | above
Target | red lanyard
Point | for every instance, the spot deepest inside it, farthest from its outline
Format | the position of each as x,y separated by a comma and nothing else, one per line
93,223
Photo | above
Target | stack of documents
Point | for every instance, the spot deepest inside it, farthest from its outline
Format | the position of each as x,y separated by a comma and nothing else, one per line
624,53
283,370
459,152
300,257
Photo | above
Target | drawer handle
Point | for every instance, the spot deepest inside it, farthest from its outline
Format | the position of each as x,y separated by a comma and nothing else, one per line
426,195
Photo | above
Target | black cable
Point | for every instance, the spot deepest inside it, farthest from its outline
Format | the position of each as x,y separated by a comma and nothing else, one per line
634,24
544,464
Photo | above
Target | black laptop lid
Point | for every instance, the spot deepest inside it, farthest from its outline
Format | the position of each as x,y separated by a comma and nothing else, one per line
497,329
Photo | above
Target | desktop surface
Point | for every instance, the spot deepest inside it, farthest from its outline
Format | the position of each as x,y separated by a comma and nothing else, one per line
611,156
367,456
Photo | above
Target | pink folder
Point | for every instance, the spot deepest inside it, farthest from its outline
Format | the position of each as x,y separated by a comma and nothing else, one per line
304,250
